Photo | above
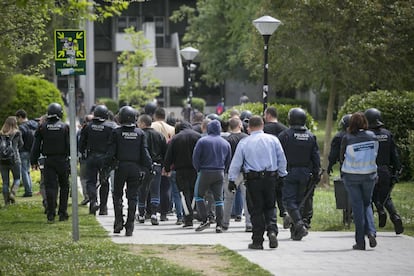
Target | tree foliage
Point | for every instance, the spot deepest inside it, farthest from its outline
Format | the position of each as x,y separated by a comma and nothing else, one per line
32,94
136,84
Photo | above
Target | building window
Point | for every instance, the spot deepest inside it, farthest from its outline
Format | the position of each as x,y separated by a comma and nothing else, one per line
128,21
103,80
159,31
103,35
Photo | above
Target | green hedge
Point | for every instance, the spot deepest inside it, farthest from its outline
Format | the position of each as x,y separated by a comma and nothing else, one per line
282,110
397,110
31,94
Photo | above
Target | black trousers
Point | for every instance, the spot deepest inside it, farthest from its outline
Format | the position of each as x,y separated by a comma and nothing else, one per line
186,179
261,202
56,178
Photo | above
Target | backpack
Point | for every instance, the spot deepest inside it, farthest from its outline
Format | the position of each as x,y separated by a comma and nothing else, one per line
6,150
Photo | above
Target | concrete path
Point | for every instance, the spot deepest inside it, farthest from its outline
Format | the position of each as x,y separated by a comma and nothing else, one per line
319,253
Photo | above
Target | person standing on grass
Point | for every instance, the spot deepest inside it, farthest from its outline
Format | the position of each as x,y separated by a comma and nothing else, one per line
359,149
260,156
27,128
10,134
129,149
211,157
52,141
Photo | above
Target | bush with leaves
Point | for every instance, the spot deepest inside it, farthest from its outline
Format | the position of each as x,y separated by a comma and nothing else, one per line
111,104
282,110
32,94
397,112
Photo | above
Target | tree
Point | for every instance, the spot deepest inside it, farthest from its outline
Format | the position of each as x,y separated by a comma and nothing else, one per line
26,29
136,85
335,47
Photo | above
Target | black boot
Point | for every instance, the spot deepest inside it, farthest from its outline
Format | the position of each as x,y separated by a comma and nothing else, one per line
6,198
398,226
119,221
129,225
93,207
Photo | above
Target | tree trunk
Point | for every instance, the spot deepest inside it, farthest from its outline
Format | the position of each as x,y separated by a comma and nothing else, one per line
328,132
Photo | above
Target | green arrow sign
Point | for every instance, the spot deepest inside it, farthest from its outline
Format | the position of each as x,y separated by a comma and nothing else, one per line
70,52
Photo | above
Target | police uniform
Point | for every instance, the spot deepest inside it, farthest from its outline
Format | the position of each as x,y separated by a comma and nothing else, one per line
260,156
95,141
388,167
129,148
52,141
303,163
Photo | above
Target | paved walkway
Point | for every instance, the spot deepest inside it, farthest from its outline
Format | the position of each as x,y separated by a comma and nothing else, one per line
319,253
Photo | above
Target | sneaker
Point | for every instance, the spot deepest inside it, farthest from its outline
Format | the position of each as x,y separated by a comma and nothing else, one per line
50,218
140,219
84,202
163,217
273,240
179,221
103,211
219,229
93,207
298,232
224,228
154,220
372,240
128,231
238,218
188,225
203,225
287,221
27,195
255,246
382,219
398,226
118,226
249,228
358,247
63,217
212,219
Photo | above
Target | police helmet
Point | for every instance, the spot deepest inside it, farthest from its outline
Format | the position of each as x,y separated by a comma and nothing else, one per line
101,112
127,116
54,110
149,108
344,123
297,117
373,116
213,116
245,116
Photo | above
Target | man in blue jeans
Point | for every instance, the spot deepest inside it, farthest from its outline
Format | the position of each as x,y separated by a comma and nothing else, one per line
27,128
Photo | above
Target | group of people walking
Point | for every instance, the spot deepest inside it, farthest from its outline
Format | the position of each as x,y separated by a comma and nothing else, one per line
198,167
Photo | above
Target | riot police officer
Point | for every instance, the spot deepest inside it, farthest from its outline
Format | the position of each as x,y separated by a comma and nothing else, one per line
94,143
303,163
130,150
389,167
334,156
52,141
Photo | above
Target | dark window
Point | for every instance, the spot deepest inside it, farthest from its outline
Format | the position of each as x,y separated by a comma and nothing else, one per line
103,35
103,80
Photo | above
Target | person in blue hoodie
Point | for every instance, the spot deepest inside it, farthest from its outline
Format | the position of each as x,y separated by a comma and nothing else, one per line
211,157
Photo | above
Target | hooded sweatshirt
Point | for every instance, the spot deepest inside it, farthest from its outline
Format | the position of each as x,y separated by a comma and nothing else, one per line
212,152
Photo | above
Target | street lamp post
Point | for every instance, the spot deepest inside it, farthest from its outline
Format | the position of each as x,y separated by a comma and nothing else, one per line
189,54
266,25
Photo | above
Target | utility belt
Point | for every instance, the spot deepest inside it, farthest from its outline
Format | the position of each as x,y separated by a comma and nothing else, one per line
257,175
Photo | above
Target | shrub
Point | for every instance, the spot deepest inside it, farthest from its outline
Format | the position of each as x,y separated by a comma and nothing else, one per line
33,95
111,104
282,110
196,103
397,114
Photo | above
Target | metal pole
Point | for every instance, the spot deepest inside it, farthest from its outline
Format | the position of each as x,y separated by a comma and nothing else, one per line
265,69
73,157
190,87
